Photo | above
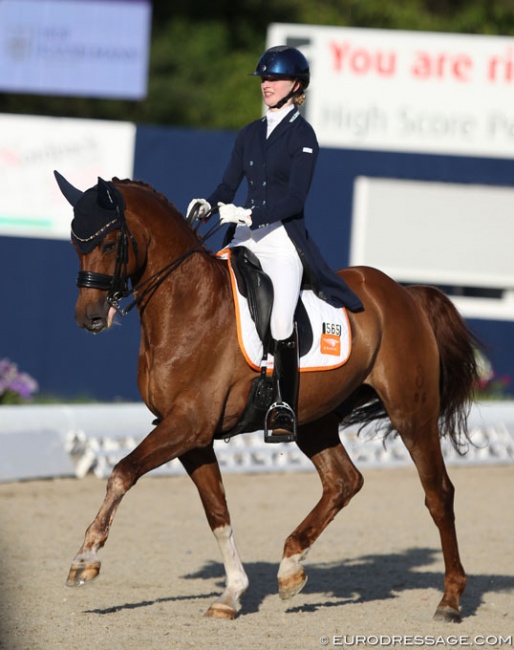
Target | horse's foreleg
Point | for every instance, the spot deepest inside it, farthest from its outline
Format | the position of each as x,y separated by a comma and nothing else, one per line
340,480
439,494
159,447
203,468
86,565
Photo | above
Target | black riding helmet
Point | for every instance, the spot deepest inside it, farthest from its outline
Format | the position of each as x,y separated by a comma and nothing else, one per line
282,61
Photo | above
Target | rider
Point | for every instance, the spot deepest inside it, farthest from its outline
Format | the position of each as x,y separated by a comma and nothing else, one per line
277,155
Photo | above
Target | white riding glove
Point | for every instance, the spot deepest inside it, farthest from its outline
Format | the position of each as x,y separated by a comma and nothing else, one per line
202,206
230,213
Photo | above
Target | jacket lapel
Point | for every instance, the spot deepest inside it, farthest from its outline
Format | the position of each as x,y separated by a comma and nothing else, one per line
282,128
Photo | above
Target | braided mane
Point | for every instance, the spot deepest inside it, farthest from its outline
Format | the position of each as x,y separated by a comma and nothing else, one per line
164,199
146,186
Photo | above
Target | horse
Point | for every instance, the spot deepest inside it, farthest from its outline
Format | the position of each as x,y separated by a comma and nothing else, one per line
412,367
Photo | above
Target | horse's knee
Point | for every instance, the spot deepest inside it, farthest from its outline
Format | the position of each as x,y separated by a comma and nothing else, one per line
121,478
344,488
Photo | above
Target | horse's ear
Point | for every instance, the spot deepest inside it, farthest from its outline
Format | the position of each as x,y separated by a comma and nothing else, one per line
105,196
71,194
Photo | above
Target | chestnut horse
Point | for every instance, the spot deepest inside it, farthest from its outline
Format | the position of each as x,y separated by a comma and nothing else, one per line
412,362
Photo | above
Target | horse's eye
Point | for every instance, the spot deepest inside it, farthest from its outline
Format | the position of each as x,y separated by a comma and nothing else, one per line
109,247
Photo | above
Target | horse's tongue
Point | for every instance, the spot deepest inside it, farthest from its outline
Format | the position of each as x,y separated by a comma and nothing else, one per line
110,316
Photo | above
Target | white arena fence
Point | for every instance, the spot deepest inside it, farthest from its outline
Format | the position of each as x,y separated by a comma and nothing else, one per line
52,441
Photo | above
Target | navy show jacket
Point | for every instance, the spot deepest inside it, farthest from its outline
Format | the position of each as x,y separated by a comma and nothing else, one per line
279,171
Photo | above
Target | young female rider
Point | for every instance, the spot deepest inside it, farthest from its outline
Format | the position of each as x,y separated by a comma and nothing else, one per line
277,155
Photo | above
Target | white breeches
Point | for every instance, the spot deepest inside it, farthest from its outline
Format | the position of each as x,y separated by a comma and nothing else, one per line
281,262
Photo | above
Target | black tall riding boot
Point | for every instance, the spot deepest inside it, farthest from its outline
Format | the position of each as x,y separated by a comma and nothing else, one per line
280,424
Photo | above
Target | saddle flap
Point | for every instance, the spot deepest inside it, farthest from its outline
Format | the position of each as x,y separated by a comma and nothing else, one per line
256,287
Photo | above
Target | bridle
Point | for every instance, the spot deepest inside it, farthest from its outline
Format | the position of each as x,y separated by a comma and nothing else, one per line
116,285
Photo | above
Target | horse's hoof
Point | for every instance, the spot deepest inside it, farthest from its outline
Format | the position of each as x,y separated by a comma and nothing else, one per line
447,614
291,585
82,572
220,610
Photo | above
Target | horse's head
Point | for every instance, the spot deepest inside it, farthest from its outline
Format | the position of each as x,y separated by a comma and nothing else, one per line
101,238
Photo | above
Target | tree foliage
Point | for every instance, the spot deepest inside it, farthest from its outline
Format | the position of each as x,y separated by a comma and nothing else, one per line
202,52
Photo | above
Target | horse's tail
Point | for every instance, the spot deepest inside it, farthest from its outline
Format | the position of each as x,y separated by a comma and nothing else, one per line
458,362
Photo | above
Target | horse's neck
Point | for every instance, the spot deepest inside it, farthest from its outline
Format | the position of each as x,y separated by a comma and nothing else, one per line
161,233
197,285
192,290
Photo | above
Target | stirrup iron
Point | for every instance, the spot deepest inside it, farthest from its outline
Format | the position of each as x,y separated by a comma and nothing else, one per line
289,413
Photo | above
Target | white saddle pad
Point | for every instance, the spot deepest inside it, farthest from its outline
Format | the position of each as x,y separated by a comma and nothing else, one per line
332,341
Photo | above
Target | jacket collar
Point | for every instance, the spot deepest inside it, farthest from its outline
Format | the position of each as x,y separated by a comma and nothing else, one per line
281,128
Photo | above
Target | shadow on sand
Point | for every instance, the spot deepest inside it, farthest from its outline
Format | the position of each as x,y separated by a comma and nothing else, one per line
364,579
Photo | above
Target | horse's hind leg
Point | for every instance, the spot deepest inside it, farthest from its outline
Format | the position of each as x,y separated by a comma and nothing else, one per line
340,480
202,466
425,451
416,420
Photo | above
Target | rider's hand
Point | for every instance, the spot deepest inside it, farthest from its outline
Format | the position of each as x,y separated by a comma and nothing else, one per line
201,206
230,213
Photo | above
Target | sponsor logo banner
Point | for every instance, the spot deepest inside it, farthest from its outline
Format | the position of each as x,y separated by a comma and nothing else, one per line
407,91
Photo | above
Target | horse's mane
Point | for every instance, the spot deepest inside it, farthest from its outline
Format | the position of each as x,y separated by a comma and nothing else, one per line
146,186
161,197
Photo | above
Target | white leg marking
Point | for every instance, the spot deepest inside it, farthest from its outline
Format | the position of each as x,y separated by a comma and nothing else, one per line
291,565
237,580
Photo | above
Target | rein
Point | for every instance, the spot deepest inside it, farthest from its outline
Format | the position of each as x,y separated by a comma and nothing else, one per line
117,284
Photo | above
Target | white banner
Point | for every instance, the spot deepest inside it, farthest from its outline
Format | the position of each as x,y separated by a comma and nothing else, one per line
407,91
95,48
31,204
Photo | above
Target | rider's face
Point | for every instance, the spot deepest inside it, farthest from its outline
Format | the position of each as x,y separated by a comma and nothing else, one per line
273,89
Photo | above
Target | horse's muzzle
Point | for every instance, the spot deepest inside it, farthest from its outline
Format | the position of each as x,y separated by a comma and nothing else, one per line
95,318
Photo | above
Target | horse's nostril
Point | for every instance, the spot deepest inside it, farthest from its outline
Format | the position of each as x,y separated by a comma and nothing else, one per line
96,324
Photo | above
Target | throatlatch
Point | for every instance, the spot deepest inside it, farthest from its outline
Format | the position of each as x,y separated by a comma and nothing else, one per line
280,423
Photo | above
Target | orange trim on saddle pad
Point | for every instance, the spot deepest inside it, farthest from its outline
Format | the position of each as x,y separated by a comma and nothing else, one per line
332,343
241,304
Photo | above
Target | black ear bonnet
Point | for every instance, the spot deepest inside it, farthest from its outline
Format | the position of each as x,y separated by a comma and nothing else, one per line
98,211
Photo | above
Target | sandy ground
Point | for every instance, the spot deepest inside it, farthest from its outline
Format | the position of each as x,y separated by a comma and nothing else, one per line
375,575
